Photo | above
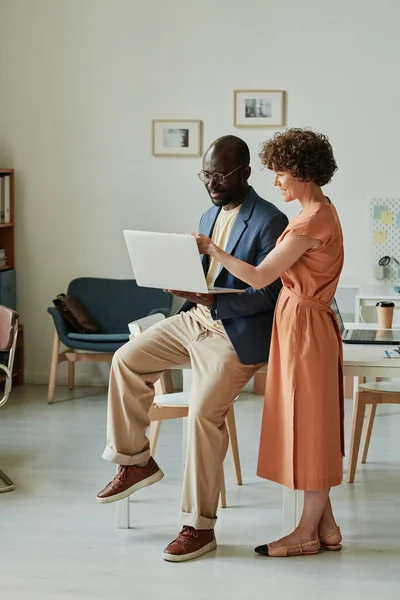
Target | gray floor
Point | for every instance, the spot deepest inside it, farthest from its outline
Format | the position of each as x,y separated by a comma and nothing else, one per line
56,542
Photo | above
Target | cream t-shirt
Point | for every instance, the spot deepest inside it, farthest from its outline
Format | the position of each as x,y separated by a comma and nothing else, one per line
220,236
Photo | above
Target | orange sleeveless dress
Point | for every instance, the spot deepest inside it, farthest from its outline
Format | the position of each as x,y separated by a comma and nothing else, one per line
302,437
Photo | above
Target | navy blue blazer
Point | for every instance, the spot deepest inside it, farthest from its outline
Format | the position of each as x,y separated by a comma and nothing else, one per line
247,317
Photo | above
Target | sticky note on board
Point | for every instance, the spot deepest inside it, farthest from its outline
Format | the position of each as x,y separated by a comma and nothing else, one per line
378,209
379,237
387,217
398,220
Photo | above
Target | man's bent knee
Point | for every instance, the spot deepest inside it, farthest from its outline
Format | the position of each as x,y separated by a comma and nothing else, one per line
208,409
125,354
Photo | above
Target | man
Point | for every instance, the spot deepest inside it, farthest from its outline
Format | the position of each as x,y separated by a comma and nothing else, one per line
225,337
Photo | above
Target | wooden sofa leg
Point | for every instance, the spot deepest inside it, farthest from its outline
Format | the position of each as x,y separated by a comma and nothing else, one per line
53,368
71,374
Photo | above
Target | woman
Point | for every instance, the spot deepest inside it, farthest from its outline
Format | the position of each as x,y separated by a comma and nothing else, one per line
301,443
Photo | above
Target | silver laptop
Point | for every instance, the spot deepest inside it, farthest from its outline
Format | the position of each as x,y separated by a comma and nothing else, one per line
365,336
168,261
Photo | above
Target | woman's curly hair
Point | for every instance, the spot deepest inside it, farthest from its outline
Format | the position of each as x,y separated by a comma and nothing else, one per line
308,156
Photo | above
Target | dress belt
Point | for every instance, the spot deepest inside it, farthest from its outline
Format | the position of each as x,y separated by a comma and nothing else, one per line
316,305
307,300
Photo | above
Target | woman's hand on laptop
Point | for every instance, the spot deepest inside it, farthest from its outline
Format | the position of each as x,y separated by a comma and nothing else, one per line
204,243
204,299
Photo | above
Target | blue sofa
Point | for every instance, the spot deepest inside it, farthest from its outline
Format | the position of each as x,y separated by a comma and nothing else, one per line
112,303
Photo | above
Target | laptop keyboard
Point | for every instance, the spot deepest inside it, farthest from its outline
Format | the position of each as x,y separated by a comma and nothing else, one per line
361,335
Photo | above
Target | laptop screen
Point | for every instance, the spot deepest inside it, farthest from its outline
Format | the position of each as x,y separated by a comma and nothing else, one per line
335,309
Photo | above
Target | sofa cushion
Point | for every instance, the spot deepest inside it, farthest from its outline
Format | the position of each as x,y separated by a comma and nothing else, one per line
99,337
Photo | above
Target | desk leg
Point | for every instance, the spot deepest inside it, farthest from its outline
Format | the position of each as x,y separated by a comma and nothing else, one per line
357,310
357,381
348,387
355,388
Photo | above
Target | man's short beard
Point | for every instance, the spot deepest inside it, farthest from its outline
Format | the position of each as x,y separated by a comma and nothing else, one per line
227,199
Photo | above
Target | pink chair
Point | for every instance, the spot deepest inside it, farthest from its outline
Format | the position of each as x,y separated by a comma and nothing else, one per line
8,341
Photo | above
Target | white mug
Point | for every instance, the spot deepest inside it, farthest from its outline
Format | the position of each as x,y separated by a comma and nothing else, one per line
379,272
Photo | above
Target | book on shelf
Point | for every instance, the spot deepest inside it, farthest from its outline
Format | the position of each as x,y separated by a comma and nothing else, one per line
2,199
3,258
5,216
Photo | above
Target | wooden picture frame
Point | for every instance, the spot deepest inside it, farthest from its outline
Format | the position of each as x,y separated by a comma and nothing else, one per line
173,137
259,108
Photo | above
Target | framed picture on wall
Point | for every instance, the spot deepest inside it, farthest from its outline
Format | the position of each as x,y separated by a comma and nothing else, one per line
176,138
259,108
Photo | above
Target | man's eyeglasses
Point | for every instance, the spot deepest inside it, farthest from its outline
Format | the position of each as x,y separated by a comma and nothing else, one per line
205,177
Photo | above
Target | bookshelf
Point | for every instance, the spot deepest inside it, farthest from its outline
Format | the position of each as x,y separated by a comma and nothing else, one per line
7,214
7,257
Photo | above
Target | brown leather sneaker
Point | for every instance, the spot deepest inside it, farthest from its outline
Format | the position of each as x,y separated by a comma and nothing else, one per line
129,480
190,543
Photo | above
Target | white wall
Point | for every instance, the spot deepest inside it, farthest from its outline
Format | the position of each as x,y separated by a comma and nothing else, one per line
81,80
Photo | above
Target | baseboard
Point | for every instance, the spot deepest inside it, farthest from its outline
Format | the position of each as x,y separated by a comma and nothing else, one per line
87,380
41,379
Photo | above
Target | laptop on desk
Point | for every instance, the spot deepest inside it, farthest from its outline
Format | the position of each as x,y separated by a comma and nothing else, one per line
366,336
168,261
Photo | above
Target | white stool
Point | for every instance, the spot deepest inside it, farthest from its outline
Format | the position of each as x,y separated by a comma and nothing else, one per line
176,406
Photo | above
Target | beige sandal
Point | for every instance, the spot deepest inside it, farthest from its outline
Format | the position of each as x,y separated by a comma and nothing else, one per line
296,550
325,540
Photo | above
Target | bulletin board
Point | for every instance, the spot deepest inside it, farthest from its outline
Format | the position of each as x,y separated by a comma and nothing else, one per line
385,221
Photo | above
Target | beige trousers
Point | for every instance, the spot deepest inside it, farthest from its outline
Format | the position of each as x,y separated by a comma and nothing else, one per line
218,377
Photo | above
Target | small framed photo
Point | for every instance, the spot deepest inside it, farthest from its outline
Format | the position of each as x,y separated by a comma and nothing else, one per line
176,138
259,108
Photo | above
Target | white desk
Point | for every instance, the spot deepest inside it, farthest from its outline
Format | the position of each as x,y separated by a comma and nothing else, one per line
367,360
367,297
359,360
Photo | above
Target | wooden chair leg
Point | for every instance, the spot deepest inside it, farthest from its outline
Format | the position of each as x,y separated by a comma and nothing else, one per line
233,445
71,374
358,420
222,496
371,410
53,368
154,432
